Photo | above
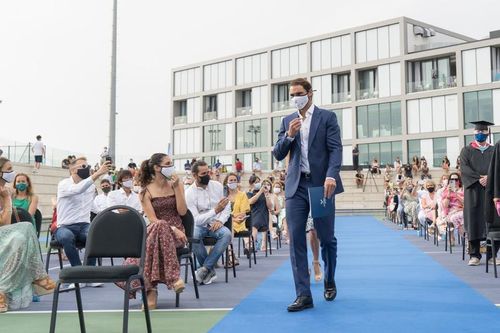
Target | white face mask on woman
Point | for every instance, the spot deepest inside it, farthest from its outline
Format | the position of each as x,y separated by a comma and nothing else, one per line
9,176
128,184
232,186
257,186
168,171
277,190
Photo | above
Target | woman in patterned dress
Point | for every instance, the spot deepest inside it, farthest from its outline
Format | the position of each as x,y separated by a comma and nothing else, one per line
163,202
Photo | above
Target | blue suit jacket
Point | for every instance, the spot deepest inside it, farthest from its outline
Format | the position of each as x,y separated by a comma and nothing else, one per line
324,155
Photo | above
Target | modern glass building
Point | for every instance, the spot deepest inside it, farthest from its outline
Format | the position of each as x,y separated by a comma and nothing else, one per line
399,88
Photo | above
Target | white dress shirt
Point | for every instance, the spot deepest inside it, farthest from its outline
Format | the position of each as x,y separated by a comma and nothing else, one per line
74,201
100,203
304,139
119,197
202,201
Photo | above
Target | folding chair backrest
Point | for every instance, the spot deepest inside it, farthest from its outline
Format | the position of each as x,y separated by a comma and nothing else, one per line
38,222
248,222
116,234
188,223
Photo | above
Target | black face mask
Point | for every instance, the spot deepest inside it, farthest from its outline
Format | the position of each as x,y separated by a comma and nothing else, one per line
83,173
204,180
106,189
430,189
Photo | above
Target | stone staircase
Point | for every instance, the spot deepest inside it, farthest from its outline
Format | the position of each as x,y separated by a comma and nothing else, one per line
44,184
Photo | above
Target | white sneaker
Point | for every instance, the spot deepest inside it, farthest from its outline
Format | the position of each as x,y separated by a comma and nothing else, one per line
474,261
491,261
211,277
94,285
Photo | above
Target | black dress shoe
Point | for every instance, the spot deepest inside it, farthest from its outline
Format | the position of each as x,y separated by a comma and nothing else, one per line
330,291
301,303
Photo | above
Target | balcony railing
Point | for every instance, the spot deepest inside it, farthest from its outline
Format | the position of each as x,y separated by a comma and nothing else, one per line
179,120
282,106
243,111
22,153
211,115
439,83
367,93
341,97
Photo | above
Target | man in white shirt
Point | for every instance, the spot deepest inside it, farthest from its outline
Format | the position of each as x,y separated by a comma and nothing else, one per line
75,196
205,199
125,194
38,150
101,201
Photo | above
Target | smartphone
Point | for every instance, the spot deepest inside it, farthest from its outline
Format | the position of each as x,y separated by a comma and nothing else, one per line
109,159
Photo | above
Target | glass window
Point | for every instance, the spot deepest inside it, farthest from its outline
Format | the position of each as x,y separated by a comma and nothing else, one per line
373,121
362,119
439,147
385,119
396,127
339,114
471,111
210,112
413,149
214,138
251,133
485,105
363,154
276,127
374,151
367,83
281,97
341,88
385,153
397,150
478,105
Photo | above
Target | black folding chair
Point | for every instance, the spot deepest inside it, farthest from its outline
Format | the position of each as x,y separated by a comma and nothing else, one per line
20,215
465,238
449,233
112,235
38,222
491,238
56,248
186,253
247,234
265,229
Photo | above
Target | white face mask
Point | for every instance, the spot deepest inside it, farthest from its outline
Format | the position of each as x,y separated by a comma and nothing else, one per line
128,183
300,101
257,186
137,189
9,176
277,190
168,171
232,186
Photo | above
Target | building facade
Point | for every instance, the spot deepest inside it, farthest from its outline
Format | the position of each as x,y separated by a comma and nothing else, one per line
399,88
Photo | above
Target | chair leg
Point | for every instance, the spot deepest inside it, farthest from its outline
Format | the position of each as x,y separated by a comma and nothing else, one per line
126,305
253,250
239,246
145,302
493,254
186,271
47,260
232,256
112,262
447,233
80,307
195,283
226,265
55,301
269,243
487,263
59,254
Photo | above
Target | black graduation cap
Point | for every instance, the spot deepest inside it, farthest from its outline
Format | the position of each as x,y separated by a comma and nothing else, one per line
481,125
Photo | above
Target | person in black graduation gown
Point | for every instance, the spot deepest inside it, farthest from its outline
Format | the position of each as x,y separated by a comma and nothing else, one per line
493,196
355,158
475,160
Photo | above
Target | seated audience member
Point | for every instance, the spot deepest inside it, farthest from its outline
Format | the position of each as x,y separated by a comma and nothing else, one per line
445,165
240,207
24,196
210,209
359,178
424,170
75,196
428,202
279,191
100,202
415,166
410,203
397,164
375,166
21,269
125,194
453,202
163,203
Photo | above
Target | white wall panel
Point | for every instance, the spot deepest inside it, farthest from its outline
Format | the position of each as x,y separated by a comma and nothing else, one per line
247,70
276,60
384,88
469,67
285,62
427,150
326,87
264,71
294,60
395,77
256,68
316,55
347,155
326,54
336,54
452,149
425,109
413,116
483,61
383,42
371,45
394,42
347,124
451,105
346,50
438,114
318,94
496,106
303,64
229,137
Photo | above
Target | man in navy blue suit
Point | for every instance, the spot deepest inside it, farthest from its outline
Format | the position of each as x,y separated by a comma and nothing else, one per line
311,138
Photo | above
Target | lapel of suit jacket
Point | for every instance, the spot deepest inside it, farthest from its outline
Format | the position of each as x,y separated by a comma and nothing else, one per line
314,126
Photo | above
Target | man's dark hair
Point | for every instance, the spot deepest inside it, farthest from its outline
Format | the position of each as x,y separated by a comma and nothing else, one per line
38,137
197,165
105,181
302,82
